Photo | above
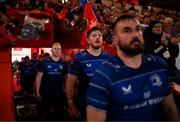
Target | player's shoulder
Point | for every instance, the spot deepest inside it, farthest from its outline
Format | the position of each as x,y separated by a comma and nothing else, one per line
82,53
153,59
110,65
106,53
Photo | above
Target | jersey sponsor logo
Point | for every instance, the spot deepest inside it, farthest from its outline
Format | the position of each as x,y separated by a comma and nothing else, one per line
54,73
127,90
60,67
90,74
117,66
49,66
147,94
149,59
88,65
147,102
156,80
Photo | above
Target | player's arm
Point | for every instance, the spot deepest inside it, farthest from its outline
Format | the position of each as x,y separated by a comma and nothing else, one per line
69,86
37,85
95,115
170,109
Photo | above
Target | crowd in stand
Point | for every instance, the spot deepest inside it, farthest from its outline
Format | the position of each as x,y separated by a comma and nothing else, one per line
160,29
72,13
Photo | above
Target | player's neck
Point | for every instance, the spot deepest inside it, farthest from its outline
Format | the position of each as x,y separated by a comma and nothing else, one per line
131,61
55,58
94,52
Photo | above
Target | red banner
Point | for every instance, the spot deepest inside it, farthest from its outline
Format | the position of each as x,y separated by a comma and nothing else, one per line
90,17
91,21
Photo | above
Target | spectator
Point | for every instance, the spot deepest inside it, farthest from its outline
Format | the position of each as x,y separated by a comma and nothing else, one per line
35,64
168,26
176,82
158,44
26,78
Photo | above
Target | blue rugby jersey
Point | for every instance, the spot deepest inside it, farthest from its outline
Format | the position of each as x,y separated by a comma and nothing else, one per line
84,66
26,72
53,78
34,65
129,94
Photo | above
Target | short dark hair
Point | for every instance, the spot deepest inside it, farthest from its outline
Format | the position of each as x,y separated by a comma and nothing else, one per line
93,29
122,17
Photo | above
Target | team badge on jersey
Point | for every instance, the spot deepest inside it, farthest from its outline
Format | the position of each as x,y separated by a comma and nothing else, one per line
156,80
127,90
60,67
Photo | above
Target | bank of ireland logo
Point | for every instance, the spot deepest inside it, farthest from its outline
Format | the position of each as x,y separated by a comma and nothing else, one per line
147,94
156,80
127,90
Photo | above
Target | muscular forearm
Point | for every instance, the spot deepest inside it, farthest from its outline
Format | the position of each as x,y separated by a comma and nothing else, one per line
38,83
70,87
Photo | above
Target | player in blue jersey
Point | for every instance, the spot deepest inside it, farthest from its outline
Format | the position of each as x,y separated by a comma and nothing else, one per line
49,84
82,68
130,86
26,78
35,64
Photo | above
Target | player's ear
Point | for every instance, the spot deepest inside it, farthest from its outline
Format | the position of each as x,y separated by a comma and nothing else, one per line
114,40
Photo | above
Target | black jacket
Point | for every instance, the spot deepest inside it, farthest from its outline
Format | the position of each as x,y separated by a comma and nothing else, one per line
154,46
